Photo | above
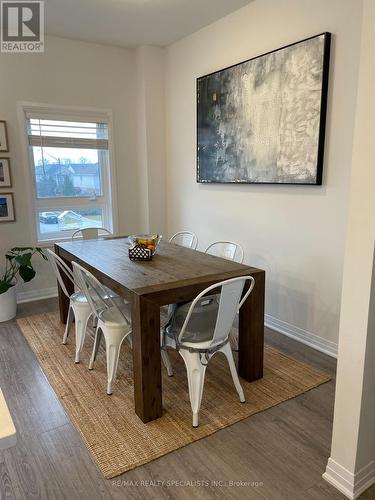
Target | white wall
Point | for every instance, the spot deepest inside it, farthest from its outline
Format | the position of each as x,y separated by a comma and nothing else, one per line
151,138
77,74
351,466
295,233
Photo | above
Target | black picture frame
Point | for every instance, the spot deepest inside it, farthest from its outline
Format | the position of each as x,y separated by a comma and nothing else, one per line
321,129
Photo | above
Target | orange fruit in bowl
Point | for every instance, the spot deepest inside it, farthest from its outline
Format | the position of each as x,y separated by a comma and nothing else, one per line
149,241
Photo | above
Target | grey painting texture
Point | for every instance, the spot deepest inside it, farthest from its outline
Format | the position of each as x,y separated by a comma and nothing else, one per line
259,121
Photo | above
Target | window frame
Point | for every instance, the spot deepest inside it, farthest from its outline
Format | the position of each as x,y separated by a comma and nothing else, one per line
36,205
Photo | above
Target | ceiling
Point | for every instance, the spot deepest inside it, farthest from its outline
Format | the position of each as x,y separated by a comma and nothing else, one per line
129,23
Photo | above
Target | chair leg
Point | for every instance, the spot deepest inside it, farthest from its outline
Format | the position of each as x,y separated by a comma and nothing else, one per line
129,338
195,373
81,318
69,322
164,352
233,337
229,355
94,321
167,362
98,338
113,342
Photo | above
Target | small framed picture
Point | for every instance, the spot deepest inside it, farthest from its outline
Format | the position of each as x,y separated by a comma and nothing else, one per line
3,137
5,179
6,207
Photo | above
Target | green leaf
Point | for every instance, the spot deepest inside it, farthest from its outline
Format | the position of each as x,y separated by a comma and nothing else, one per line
4,286
19,262
21,249
41,252
26,273
24,259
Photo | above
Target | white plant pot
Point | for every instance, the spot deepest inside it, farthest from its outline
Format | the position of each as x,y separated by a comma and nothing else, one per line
8,304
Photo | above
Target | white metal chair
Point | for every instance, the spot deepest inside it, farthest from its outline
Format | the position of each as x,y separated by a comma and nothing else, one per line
79,308
231,251
199,329
185,239
113,322
90,233
227,250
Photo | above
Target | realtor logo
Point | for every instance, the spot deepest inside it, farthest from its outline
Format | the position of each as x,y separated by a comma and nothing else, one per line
22,26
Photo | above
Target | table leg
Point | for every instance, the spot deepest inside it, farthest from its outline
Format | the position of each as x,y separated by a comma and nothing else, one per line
251,332
63,299
146,359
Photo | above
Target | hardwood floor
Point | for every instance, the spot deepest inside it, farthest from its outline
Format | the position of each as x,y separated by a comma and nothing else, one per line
278,454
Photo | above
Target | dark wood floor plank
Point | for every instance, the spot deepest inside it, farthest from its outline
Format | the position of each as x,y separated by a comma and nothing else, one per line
34,405
278,463
285,448
6,488
301,351
30,471
323,491
37,307
77,474
369,494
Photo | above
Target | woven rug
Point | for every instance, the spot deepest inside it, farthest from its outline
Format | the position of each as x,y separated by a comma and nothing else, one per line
117,439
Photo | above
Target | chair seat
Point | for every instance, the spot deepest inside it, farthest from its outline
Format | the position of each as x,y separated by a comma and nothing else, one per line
201,346
80,298
201,326
112,317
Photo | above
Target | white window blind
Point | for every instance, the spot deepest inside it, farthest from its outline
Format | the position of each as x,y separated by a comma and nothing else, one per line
52,133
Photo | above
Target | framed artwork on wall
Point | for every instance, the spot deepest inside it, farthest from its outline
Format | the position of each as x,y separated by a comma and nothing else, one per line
4,147
5,178
262,121
7,208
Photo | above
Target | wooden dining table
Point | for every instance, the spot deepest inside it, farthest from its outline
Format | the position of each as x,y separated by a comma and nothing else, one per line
175,274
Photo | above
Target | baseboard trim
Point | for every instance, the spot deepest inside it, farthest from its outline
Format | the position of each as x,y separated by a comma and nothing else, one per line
30,296
301,335
351,485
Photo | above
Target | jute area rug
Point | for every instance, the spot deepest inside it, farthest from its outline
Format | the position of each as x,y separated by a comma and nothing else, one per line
117,439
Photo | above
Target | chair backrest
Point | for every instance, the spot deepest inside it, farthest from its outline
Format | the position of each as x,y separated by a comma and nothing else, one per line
97,296
226,250
230,303
185,239
60,269
90,233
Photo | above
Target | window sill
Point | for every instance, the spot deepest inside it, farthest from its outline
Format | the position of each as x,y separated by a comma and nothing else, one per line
50,243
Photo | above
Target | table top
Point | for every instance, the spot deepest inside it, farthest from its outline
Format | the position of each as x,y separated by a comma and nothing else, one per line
172,266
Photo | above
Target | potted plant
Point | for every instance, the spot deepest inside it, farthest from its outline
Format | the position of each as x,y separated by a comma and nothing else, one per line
17,263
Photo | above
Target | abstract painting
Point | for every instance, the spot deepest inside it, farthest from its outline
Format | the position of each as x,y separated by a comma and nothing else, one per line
263,120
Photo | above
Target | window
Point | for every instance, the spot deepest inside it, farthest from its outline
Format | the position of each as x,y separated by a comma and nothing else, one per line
70,167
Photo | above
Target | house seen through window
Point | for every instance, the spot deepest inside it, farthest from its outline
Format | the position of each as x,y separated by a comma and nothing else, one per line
70,166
